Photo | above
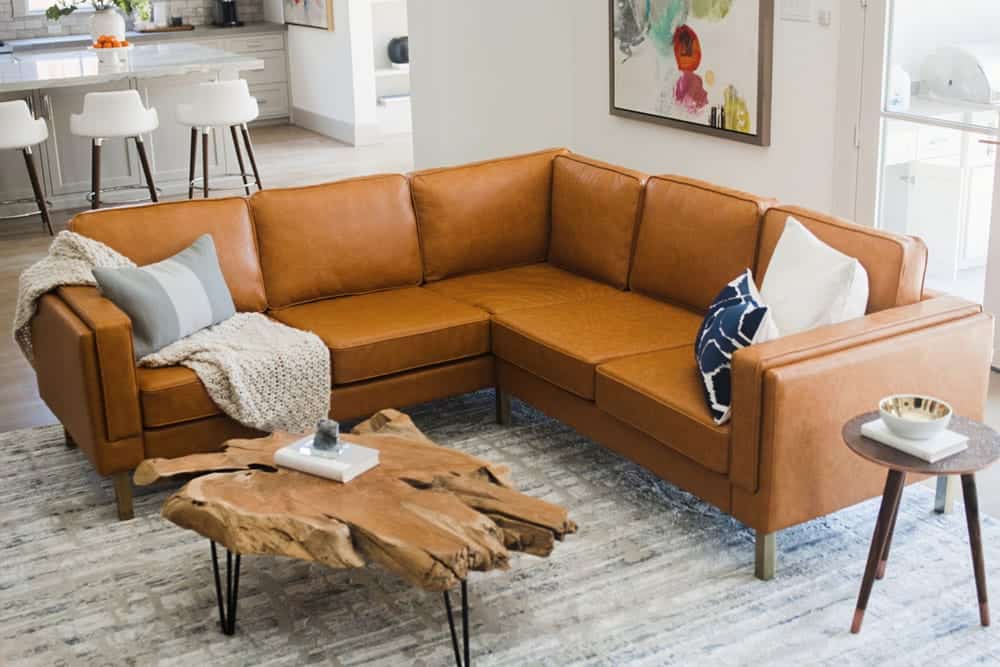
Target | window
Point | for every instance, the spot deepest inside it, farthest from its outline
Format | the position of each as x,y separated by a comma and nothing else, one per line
27,7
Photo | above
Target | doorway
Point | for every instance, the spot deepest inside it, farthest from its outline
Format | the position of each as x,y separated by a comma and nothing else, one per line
930,110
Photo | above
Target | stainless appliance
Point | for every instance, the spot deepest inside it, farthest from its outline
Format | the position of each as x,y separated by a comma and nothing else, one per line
224,14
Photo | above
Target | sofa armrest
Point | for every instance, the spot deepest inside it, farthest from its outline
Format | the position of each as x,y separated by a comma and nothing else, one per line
86,374
750,366
806,470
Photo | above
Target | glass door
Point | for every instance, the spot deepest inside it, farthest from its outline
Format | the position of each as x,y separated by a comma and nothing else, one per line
939,128
927,133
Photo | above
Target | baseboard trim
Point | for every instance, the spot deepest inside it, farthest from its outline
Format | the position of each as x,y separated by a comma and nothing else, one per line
350,133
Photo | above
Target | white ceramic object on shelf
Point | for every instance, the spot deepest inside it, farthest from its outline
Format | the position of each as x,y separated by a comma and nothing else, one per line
107,22
161,14
915,417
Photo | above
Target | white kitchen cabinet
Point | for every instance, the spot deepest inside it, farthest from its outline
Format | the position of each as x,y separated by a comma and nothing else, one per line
270,84
272,99
68,157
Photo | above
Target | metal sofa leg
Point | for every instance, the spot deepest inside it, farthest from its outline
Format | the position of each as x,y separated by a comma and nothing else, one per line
123,494
503,407
947,490
766,547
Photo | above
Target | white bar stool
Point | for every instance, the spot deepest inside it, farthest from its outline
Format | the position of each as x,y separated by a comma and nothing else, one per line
220,104
20,130
110,115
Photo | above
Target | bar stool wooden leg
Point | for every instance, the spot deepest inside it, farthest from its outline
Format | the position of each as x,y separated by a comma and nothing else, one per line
95,172
886,516
204,162
146,172
253,159
36,187
194,154
976,544
239,159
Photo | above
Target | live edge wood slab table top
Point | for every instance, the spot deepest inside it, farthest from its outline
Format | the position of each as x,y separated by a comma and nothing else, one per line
427,513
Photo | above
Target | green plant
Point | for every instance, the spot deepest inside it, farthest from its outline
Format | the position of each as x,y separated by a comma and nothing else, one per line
66,7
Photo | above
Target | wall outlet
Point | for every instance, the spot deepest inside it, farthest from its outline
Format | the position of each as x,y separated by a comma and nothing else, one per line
796,10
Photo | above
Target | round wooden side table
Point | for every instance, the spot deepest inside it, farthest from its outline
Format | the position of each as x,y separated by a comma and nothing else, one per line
983,450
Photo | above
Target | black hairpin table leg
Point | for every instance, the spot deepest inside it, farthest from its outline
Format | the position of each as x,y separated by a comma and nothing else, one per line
465,626
227,610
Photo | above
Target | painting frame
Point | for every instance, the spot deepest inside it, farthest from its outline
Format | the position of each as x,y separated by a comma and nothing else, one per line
765,53
328,14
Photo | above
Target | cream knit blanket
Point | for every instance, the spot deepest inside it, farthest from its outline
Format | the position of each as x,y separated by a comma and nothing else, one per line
263,374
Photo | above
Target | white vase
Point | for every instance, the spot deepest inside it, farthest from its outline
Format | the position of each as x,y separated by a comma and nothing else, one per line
107,22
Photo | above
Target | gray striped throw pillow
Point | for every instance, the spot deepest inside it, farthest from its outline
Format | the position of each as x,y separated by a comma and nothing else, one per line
169,300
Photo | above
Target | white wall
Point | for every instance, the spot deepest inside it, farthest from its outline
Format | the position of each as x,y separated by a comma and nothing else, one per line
492,78
796,167
332,75
489,77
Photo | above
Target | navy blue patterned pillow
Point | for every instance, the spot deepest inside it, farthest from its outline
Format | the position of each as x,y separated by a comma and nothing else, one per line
735,320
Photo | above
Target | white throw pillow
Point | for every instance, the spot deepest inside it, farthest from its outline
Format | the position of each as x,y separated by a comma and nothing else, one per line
808,284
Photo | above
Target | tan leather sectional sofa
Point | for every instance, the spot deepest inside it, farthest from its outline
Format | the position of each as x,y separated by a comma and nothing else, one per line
574,285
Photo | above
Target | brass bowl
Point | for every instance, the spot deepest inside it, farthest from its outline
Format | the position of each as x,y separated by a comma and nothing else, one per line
915,417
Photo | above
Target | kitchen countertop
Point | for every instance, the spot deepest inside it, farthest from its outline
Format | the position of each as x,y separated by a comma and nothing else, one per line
199,32
50,69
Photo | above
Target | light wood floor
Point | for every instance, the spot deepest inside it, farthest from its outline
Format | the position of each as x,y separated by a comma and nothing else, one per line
287,156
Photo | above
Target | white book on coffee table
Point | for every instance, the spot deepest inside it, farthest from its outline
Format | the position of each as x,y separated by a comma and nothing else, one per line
944,444
343,467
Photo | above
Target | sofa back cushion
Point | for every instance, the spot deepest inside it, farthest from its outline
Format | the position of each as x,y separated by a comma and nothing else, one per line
484,216
694,237
147,234
895,263
595,212
336,239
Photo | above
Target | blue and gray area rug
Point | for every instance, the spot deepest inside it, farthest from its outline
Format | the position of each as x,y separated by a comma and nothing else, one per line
653,577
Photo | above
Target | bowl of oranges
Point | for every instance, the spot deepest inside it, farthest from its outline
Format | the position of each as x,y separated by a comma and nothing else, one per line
110,49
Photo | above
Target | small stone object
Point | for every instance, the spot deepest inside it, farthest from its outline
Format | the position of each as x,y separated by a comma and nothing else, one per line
327,439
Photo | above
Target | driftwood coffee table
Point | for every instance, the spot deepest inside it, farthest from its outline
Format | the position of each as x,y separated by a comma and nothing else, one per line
430,514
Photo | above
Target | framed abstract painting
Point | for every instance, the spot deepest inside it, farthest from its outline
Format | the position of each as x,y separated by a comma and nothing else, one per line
309,13
699,65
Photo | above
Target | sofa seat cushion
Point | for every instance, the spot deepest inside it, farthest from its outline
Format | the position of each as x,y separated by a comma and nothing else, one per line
660,394
172,395
565,343
521,287
371,335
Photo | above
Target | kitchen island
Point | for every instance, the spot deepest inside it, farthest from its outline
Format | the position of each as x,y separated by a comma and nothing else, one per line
54,83
43,70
